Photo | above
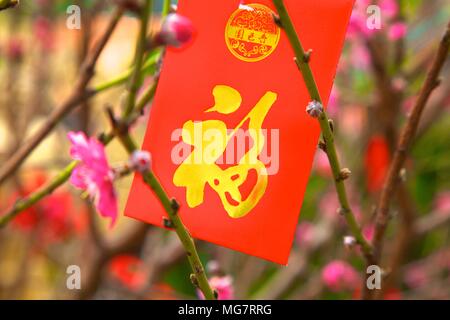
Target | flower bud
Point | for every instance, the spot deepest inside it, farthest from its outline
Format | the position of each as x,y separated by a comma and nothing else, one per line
314,109
176,30
349,242
344,174
140,160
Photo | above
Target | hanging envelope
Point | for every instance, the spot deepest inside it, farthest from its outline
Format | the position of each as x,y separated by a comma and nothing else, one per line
228,131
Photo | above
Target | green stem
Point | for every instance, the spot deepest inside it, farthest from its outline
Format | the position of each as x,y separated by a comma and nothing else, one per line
149,64
171,207
166,8
136,78
27,202
302,60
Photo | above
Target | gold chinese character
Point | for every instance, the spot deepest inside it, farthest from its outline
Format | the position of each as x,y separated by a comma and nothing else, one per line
198,170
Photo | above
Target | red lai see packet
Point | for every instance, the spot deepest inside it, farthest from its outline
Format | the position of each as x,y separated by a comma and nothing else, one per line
228,131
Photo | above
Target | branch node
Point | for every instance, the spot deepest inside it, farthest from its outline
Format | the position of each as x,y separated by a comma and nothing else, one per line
331,124
323,146
402,175
174,205
194,280
343,211
168,223
314,109
307,56
277,20
344,174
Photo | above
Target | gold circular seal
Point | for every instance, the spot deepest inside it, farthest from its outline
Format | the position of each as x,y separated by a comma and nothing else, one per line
251,33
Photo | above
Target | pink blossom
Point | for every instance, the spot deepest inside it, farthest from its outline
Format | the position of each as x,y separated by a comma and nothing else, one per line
368,232
175,31
93,173
352,120
397,31
223,286
389,8
322,164
333,102
357,25
305,234
442,203
339,275
358,21
329,205
15,49
43,32
360,56
140,161
416,277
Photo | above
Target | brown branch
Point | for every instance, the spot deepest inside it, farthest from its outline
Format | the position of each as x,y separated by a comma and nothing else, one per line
406,137
132,238
78,95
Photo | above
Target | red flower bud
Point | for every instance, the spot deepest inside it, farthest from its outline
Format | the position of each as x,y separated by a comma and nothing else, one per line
175,31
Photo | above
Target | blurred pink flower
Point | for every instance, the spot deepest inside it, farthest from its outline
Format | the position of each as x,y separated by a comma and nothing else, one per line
415,277
176,31
389,8
223,286
358,21
328,205
93,174
15,49
305,234
360,56
397,31
368,232
321,164
332,107
43,32
352,120
339,275
442,203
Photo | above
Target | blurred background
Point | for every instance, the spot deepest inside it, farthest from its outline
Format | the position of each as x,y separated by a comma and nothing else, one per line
378,79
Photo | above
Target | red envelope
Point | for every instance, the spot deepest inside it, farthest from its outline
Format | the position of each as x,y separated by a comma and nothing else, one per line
228,131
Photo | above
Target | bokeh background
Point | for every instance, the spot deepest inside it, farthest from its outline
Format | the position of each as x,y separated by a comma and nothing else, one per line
378,79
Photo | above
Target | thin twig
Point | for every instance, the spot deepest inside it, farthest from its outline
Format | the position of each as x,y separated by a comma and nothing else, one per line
406,138
136,77
78,95
171,207
65,173
328,136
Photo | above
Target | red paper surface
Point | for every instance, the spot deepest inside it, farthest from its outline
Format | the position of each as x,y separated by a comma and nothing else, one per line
268,76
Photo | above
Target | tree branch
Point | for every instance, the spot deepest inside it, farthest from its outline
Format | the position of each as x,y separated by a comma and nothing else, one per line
65,174
171,207
78,95
302,60
406,138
